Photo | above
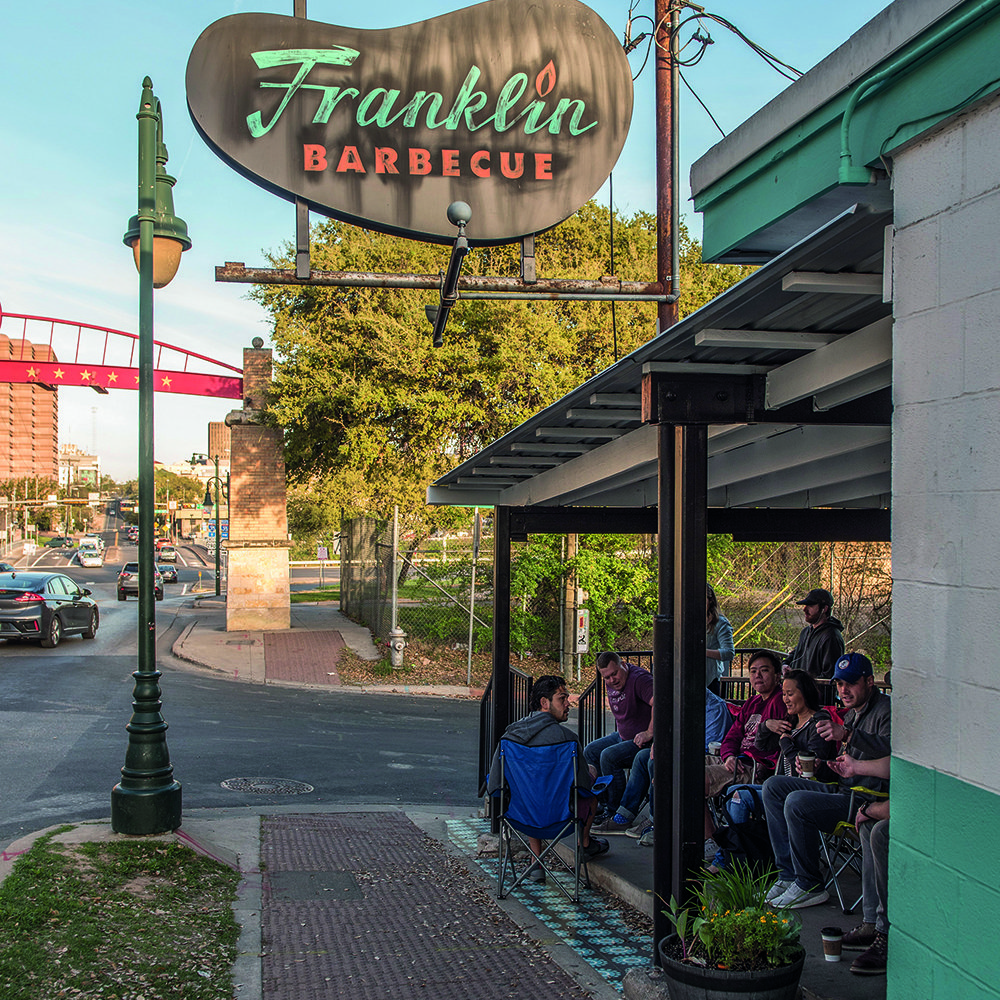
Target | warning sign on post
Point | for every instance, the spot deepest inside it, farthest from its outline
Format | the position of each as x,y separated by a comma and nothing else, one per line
582,630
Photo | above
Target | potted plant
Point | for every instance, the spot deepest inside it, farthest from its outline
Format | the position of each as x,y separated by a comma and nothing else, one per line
731,942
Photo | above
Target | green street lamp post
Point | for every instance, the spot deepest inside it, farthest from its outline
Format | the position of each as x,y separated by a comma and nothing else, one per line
147,800
217,479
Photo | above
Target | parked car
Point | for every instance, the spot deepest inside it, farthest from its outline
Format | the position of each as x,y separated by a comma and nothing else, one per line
128,582
168,572
167,553
90,557
44,607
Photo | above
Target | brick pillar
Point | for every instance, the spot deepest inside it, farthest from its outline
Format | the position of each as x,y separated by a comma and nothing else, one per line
257,592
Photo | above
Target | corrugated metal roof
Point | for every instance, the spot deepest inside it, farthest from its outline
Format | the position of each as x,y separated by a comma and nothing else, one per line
591,448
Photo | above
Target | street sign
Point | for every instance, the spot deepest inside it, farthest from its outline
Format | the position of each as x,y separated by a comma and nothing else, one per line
582,630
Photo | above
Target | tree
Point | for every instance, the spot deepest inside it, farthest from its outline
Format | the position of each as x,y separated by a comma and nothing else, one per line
372,413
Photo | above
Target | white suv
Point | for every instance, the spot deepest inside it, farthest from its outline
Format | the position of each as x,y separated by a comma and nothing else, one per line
92,540
90,556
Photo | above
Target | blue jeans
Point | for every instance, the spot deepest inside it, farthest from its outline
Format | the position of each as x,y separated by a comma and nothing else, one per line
797,810
611,755
640,781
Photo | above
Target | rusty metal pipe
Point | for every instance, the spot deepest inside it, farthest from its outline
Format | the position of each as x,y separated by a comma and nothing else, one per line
239,273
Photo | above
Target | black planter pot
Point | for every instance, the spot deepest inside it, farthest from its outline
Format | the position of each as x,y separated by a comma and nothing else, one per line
693,982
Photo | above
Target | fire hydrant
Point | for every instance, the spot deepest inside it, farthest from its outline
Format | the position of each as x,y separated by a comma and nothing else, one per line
397,643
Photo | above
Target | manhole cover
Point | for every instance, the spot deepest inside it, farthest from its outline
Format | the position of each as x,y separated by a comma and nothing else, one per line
267,786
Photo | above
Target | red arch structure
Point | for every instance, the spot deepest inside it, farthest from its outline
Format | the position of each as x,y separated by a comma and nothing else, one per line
80,354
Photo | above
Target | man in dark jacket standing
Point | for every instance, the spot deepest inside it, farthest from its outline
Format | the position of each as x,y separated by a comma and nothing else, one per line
821,642
550,708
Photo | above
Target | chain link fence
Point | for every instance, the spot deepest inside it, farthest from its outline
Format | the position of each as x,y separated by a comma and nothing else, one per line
440,581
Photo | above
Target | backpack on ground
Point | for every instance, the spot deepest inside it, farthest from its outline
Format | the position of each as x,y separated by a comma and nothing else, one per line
745,837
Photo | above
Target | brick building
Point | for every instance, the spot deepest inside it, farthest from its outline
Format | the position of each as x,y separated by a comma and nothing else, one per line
29,418
219,442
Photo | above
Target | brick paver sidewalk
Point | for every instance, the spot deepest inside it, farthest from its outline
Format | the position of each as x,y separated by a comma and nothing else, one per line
365,905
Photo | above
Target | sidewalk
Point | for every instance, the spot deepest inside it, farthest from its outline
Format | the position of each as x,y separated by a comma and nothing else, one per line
304,655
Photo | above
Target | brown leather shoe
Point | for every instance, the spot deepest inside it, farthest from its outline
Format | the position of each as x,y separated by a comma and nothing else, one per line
873,961
861,938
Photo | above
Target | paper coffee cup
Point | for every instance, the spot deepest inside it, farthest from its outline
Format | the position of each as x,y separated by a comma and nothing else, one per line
714,748
833,942
807,761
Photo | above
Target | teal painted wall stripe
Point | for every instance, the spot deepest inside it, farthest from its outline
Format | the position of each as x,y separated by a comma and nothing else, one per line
944,888
801,164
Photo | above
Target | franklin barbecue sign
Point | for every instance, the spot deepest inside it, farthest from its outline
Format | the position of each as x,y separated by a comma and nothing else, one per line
518,107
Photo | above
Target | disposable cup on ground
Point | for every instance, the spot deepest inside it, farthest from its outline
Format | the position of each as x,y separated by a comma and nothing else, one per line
833,943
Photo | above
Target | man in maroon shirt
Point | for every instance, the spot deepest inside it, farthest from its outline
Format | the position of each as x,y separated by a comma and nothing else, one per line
630,696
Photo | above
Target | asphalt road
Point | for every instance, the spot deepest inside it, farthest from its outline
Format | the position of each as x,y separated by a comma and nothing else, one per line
63,713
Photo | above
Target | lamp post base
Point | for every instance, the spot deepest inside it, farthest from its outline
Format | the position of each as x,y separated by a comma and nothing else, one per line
143,812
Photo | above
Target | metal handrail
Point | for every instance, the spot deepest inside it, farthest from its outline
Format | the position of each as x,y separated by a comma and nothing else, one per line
735,686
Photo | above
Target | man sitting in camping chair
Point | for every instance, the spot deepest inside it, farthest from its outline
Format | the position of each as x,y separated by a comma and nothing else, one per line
550,708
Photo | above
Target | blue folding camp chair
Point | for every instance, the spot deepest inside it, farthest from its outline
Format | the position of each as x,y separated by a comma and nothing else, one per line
539,797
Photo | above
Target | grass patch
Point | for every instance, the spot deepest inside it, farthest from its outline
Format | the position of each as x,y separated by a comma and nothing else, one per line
311,596
123,921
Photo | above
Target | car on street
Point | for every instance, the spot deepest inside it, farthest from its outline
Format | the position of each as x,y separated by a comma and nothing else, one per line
45,607
90,557
128,582
60,542
168,572
92,540
6,568
167,553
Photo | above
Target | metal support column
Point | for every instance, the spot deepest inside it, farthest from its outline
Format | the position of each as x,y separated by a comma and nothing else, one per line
663,652
688,688
501,629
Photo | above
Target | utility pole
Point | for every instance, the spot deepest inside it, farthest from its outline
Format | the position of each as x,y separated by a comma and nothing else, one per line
667,16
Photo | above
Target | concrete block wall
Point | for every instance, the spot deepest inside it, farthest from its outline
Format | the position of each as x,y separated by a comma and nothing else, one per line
946,521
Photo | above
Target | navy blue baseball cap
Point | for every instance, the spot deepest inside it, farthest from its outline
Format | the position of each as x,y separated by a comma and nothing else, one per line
851,667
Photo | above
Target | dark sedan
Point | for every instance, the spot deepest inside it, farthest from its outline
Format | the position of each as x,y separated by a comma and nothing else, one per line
43,607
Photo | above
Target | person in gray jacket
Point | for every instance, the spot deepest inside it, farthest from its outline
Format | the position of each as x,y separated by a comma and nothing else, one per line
821,642
798,809
550,708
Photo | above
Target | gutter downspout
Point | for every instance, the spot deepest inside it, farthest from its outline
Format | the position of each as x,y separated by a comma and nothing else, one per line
848,173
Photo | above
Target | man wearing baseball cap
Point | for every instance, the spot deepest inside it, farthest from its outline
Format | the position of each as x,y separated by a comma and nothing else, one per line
821,642
798,808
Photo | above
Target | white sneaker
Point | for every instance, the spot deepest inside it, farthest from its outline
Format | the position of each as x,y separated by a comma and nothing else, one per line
711,849
797,898
778,889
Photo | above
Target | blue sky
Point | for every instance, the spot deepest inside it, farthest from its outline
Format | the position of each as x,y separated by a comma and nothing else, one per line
72,77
